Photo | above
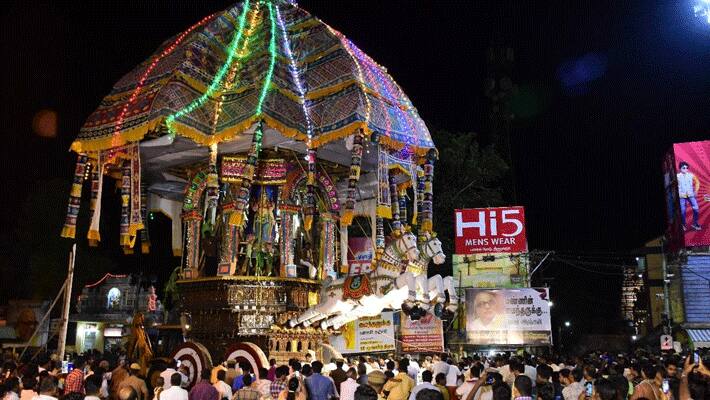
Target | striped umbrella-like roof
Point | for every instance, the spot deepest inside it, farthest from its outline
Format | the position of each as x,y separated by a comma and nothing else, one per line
260,60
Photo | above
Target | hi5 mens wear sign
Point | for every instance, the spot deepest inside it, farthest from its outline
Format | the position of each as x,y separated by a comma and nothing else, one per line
490,230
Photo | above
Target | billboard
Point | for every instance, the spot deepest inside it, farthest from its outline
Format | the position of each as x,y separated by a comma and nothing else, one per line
498,270
508,317
490,230
687,182
366,335
423,335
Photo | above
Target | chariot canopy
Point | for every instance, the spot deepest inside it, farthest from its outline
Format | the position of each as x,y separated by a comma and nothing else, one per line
263,133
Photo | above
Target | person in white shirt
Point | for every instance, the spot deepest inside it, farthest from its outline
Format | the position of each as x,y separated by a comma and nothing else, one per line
452,378
168,373
413,369
426,384
531,373
471,376
439,366
224,390
688,187
174,392
328,368
349,386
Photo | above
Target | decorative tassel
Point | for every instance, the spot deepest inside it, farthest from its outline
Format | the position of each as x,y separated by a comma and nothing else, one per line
310,206
192,226
403,206
97,182
380,236
125,239
69,229
419,195
427,202
396,224
354,178
135,220
384,201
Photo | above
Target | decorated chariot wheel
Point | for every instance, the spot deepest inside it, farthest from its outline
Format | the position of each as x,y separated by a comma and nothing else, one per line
195,357
247,352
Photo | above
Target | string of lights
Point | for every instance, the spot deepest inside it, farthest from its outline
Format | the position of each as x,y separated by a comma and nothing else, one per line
216,82
295,77
272,61
141,82
231,75
347,44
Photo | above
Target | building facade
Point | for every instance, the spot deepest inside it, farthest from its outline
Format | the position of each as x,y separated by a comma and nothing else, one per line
105,309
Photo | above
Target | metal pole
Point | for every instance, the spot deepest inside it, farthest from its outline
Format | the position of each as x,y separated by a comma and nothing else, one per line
667,329
61,345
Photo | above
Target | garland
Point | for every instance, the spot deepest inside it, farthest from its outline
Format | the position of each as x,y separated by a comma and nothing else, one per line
145,237
69,229
310,201
286,238
244,191
212,193
328,247
191,217
353,179
384,201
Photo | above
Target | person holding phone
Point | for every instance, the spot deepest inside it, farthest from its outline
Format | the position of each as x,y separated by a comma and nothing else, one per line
471,376
574,385
697,367
650,386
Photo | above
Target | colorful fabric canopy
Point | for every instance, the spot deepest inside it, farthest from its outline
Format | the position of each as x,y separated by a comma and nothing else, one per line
261,60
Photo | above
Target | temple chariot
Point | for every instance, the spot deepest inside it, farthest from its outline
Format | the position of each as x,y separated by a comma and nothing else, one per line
270,140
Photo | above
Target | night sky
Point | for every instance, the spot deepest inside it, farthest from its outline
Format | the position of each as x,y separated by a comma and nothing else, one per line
607,87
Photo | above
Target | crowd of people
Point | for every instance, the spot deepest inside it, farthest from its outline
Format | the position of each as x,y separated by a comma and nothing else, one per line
505,376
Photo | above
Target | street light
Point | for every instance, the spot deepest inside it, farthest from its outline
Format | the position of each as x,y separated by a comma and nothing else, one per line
567,324
550,304
634,337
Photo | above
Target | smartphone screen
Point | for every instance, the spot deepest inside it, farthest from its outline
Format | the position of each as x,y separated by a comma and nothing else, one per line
665,387
696,358
65,367
590,389
489,380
